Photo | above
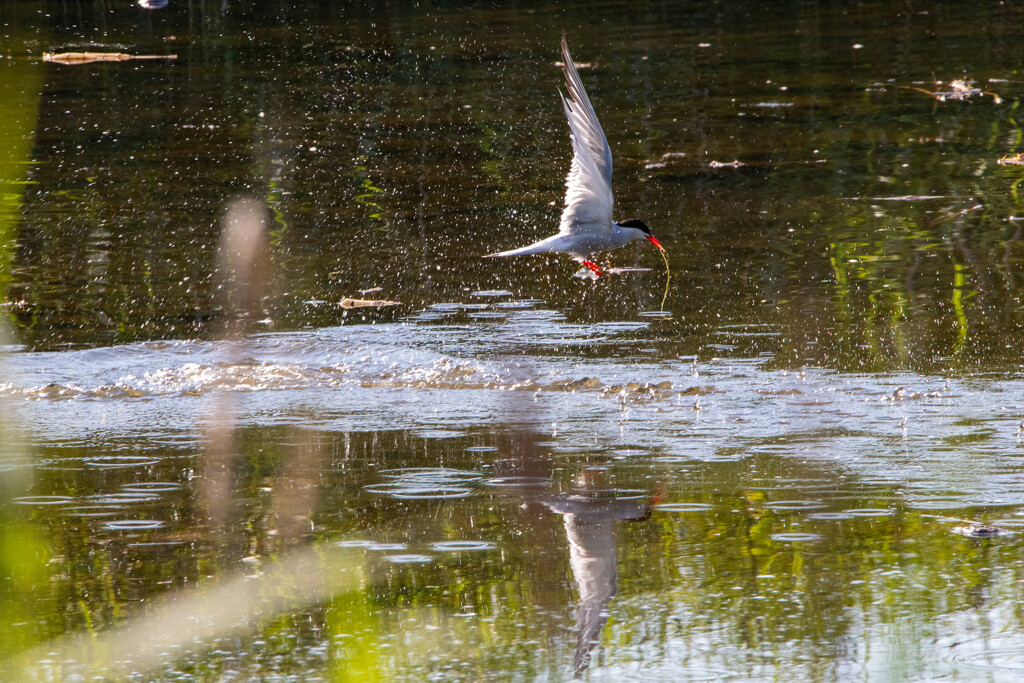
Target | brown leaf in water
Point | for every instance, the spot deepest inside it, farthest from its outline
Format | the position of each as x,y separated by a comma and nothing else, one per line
90,57
367,303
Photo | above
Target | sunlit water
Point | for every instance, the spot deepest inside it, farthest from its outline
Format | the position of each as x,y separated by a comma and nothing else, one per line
809,467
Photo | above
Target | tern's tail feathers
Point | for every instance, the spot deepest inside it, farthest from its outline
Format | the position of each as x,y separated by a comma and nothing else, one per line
535,248
511,252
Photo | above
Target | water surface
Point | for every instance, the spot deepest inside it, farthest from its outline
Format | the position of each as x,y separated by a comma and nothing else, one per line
808,466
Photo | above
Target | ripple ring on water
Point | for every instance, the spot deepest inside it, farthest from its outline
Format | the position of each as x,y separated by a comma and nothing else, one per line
411,492
151,487
830,516
941,503
795,537
794,505
432,474
870,512
386,546
122,498
692,674
683,507
522,482
996,659
114,461
92,511
42,500
459,546
134,524
409,559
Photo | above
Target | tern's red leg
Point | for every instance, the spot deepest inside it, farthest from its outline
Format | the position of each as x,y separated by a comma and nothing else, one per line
592,266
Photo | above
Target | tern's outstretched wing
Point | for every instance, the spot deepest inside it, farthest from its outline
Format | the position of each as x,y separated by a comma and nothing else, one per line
588,193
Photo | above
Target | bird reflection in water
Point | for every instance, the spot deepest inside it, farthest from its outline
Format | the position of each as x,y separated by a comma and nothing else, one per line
591,514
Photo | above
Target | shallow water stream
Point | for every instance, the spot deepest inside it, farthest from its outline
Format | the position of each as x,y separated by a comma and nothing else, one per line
809,466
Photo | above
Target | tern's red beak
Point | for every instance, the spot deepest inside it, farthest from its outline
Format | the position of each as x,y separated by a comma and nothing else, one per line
654,242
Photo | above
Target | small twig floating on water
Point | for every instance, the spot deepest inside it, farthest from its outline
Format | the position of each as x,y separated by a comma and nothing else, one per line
90,57
367,303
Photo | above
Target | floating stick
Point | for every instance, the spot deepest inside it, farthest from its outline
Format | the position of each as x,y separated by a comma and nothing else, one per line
89,57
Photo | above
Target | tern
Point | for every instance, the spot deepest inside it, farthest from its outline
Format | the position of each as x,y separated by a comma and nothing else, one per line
586,226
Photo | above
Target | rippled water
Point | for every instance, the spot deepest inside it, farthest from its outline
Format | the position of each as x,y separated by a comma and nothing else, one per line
809,466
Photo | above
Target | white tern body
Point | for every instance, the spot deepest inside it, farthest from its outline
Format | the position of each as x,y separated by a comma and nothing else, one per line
587,226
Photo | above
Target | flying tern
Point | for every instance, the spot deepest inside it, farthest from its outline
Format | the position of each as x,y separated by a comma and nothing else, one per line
587,226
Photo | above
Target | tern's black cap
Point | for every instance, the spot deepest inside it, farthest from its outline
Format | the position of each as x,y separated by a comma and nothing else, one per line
635,223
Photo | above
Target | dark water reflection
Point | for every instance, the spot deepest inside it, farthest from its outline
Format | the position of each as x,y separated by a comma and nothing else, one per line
762,564
537,477
395,146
